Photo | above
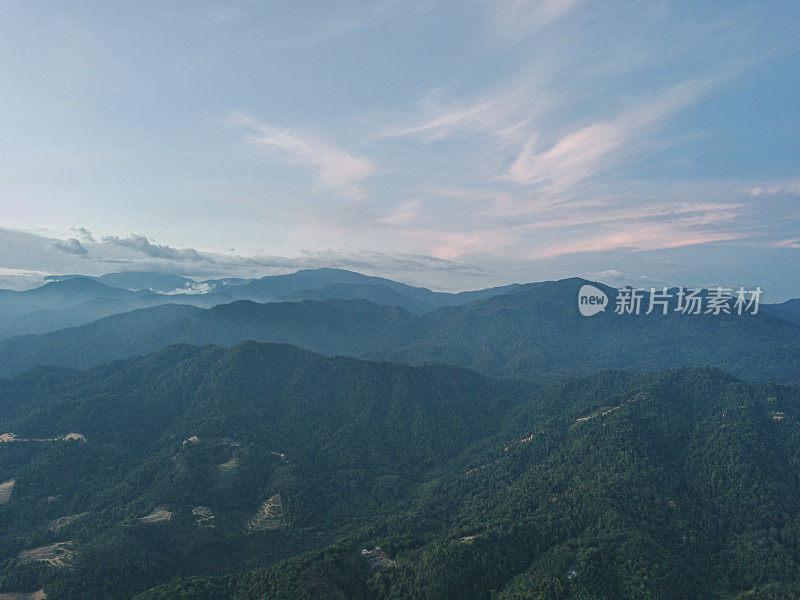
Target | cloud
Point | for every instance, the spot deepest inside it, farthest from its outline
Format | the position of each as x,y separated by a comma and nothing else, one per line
33,254
785,187
376,262
84,233
505,114
70,246
617,278
143,245
402,214
20,279
595,148
192,288
437,122
334,167
646,237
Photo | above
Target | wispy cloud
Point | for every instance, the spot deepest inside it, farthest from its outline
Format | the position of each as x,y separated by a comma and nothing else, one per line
685,214
650,237
333,166
505,114
791,187
595,148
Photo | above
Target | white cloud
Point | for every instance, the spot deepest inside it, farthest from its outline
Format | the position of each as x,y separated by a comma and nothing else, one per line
20,279
785,187
334,166
192,289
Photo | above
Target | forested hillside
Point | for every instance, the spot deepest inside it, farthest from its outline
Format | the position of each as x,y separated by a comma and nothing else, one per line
340,441
339,478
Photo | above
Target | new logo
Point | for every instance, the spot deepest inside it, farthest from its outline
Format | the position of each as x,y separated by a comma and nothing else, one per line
591,300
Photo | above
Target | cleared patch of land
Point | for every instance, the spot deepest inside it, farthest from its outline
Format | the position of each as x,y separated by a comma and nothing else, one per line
522,441
607,410
6,489
601,413
204,517
230,465
56,555
38,595
159,515
13,437
269,516
197,440
377,559
62,522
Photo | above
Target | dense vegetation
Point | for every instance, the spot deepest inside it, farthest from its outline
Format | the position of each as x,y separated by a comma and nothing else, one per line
678,484
531,332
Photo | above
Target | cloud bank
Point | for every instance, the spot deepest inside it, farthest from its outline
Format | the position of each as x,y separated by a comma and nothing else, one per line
141,244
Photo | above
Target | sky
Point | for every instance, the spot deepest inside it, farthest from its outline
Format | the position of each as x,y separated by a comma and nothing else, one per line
455,145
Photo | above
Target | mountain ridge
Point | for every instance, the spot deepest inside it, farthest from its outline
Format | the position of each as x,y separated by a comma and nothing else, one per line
534,331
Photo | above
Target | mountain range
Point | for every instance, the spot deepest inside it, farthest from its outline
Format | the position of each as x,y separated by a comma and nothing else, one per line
70,300
328,435
341,478
530,332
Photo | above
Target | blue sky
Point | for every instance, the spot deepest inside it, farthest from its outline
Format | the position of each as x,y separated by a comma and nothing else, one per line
451,144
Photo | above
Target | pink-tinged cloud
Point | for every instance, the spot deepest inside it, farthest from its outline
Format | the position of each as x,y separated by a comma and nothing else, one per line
451,245
402,214
653,237
595,148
